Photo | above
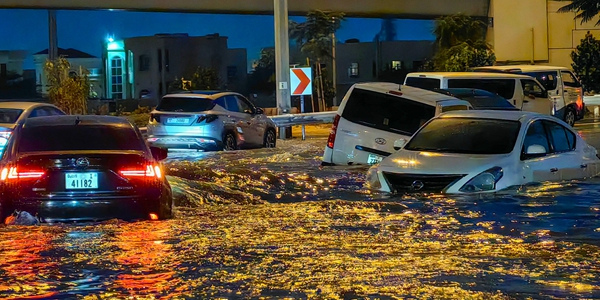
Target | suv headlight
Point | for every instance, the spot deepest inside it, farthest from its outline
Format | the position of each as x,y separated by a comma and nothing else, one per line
484,181
372,180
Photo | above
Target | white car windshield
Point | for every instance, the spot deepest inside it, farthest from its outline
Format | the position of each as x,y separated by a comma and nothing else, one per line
466,135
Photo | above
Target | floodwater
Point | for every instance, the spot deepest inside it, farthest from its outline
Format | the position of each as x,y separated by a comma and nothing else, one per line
271,223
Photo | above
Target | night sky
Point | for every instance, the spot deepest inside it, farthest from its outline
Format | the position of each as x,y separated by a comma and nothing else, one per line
86,30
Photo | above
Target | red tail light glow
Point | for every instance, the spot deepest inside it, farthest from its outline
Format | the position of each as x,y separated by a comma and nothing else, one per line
332,133
14,173
150,171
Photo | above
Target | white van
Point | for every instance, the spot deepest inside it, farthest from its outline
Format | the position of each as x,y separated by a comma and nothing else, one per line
561,84
372,116
524,92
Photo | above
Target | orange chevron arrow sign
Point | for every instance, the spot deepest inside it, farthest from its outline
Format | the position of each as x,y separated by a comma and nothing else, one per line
300,81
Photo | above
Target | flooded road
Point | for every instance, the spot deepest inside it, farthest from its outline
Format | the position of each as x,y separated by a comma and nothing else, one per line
272,223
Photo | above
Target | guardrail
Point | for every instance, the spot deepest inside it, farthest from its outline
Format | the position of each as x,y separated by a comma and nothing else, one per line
304,118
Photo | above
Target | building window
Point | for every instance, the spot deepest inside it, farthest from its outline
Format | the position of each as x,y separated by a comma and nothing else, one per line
353,70
116,74
144,62
231,72
396,65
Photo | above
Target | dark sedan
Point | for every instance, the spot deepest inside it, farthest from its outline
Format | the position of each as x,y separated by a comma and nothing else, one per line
83,168
479,99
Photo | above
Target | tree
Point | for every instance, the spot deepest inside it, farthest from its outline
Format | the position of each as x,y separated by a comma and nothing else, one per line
262,78
314,37
205,79
68,90
461,45
586,62
585,10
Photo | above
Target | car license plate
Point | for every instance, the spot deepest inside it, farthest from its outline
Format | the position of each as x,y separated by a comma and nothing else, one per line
374,159
79,181
178,121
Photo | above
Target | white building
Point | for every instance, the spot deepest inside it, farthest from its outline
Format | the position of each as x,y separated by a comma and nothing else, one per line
77,59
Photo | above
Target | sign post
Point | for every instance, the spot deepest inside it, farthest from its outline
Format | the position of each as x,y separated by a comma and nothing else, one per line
301,85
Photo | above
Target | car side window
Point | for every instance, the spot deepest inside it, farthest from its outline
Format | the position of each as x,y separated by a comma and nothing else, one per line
38,112
245,106
562,139
536,135
221,102
569,79
51,111
531,87
232,103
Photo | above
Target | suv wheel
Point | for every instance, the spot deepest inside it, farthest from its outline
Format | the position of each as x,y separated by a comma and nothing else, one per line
570,116
229,142
270,139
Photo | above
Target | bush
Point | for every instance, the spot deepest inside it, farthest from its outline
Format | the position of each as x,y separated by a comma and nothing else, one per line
139,120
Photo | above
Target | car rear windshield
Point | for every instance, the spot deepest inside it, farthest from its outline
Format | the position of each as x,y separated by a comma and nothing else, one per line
423,83
74,137
10,115
185,104
503,87
386,112
466,135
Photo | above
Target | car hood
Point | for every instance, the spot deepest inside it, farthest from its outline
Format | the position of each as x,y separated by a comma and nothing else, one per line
424,162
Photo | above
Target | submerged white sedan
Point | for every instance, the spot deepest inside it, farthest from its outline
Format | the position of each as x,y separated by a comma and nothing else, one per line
474,151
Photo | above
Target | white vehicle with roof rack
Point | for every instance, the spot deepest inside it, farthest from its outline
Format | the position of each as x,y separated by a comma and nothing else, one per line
373,115
561,84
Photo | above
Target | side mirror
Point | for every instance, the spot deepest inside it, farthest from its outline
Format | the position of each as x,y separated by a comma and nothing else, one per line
399,143
260,111
159,153
535,150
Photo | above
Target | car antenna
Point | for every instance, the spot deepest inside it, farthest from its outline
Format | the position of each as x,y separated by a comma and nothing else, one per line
77,121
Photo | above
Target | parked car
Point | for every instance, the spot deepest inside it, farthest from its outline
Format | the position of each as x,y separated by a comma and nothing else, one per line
522,91
465,152
562,86
210,121
83,168
479,99
13,112
373,115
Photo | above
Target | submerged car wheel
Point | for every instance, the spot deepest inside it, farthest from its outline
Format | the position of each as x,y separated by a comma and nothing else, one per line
570,116
229,142
270,139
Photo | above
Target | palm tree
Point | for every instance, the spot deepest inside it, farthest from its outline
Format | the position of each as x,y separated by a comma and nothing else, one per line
314,37
585,10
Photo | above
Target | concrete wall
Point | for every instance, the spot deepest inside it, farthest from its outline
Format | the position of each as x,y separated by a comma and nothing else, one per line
555,35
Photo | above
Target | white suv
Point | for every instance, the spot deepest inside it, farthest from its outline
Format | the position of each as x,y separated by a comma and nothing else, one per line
372,116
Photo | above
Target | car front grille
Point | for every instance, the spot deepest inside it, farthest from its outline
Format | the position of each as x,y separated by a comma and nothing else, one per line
420,183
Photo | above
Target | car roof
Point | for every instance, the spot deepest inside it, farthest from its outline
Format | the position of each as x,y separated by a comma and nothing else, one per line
412,93
508,115
22,104
212,95
469,91
71,120
521,68
465,75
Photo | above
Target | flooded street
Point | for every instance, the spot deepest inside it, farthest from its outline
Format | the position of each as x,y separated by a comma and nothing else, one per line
271,223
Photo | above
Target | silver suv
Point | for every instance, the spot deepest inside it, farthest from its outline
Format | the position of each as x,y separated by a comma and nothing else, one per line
209,121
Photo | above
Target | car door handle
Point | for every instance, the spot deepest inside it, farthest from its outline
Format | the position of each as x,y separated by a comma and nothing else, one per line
554,170
583,166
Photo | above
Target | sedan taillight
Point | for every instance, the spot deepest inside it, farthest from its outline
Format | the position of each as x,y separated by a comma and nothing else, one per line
14,173
151,171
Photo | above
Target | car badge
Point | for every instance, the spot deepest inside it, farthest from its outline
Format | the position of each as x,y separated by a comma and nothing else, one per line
82,162
380,141
417,185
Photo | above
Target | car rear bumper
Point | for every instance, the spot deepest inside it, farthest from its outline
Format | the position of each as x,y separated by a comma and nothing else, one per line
185,142
96,209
